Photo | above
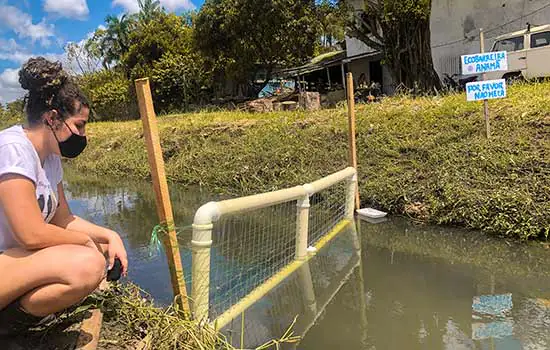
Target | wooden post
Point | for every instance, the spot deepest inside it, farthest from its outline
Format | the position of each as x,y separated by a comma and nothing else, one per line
484,77
162,196
351,132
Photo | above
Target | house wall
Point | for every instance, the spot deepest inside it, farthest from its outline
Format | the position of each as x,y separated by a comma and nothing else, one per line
359,67
455,26
354,46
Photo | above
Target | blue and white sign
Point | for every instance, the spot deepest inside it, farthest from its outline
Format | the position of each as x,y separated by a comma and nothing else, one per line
493,305
486,90
484,62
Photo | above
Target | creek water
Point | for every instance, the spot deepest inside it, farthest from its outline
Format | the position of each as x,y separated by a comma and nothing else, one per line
393,285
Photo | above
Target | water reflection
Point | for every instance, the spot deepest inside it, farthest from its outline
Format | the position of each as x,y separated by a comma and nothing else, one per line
305,295
433,288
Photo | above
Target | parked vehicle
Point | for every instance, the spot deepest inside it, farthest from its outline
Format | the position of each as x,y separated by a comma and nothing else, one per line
528,53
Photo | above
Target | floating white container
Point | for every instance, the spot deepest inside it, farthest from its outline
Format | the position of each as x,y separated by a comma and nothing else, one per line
369,213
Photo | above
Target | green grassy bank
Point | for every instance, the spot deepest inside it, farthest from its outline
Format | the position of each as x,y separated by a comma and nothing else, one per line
425,157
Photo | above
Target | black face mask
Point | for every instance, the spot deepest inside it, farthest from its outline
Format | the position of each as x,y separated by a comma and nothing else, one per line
73,146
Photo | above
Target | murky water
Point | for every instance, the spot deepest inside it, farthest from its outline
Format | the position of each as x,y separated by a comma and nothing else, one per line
409,287
434,288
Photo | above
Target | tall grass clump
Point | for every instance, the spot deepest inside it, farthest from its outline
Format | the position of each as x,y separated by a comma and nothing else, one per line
132,321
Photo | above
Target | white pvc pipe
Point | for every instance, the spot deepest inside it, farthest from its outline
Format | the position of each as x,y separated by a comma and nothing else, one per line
333,179
213,211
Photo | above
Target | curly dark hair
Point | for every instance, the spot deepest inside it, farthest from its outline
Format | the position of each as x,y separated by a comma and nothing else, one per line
49,87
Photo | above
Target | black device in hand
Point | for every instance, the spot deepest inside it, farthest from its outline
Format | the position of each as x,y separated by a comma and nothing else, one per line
114,273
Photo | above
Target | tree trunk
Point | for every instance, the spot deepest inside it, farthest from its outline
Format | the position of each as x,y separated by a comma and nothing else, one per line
409,54
405,41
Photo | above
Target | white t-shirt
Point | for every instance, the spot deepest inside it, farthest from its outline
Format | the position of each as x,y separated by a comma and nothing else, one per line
18,156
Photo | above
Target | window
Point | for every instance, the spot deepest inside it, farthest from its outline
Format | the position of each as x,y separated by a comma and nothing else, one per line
510,44
540,39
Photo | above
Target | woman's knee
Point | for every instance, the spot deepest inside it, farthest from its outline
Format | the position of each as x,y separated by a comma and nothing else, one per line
87,270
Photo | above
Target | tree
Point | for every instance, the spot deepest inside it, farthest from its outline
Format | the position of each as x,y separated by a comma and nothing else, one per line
148,10
112,42
331,16
400,29
81,58
242,38
168,33
163,50
110,93
12,114
179,81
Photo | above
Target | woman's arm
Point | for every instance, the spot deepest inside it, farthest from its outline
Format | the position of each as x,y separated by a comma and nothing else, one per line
65,219
18,200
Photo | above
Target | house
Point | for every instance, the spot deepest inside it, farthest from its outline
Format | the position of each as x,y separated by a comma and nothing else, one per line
455,26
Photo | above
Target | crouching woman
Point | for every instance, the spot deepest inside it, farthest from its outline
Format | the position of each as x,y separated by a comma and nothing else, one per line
50,259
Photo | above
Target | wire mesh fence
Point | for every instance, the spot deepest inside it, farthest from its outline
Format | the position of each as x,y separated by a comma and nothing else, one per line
328,207
248,248
245,247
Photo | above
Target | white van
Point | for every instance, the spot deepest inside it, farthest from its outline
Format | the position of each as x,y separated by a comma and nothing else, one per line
528,53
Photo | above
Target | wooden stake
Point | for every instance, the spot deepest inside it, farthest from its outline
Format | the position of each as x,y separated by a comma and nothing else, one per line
90,329
162,196
484,77
351,132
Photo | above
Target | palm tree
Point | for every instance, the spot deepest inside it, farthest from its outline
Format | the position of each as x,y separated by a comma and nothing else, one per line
114,41
148,9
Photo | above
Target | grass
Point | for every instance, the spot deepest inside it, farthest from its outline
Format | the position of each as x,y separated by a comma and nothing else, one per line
132,321
426,157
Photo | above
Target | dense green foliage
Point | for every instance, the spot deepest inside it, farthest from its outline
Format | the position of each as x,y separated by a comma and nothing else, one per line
425,157
110,93
11,114
331,16
245,36
227,48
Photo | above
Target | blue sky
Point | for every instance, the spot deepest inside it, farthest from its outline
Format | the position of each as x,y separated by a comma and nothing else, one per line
44,27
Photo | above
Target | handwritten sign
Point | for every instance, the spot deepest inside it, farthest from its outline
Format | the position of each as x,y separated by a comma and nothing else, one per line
484,62
486,90
493,305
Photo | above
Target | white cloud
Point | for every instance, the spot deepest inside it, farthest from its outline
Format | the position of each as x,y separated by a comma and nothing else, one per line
173,5
8,44
67,8
15,56
10,90
10,50
170,5
21,23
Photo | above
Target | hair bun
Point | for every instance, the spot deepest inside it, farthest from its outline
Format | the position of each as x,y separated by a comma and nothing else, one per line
38,75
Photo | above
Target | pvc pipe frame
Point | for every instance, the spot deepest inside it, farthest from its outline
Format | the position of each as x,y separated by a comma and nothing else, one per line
213,211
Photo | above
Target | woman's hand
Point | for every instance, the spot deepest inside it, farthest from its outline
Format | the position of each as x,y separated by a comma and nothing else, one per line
116,250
